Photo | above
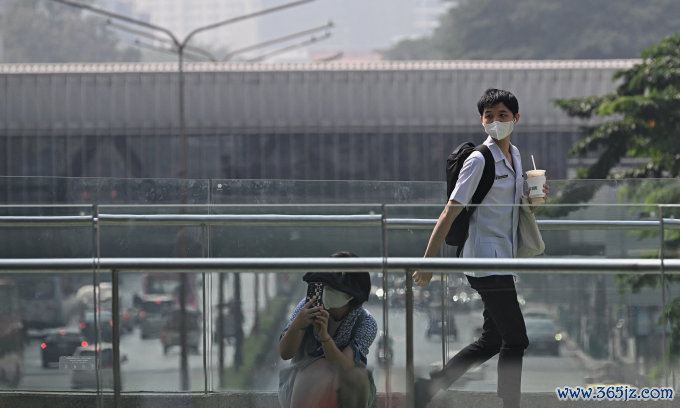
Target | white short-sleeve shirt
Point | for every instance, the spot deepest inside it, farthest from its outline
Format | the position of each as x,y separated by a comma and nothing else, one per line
493,229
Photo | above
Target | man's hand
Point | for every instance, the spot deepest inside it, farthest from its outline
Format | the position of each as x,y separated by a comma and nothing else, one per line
437,238
546,191
307,315
422,278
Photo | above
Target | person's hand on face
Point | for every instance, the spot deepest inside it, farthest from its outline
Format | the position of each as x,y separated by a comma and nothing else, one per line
307,315
321,325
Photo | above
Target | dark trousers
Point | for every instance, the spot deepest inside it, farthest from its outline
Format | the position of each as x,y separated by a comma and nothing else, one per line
503,332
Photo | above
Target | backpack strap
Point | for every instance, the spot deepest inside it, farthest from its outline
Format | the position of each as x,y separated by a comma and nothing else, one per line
488,176
358,322
484,186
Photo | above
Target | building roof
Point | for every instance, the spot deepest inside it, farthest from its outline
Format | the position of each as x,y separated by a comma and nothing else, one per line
82,68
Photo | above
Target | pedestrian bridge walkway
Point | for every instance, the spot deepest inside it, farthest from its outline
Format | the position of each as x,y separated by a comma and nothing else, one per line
240,262
449,399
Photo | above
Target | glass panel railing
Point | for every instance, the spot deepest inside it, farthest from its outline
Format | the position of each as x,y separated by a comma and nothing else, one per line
43,346
247,357
604,323
583,328
101,190
150,330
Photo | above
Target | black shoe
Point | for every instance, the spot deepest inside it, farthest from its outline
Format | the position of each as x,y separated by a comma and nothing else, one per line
423,392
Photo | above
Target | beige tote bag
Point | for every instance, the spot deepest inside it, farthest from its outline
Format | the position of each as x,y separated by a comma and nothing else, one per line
530,241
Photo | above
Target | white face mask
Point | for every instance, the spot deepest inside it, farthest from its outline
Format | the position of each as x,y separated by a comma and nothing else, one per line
499,130
333,299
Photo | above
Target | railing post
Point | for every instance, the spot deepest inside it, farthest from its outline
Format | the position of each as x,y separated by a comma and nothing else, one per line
220,330
443,296
443,317
663,297
410,371
115,317
95,302
385,311
206,332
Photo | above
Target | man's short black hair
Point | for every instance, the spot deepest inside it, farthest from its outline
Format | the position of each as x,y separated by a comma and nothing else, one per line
493,97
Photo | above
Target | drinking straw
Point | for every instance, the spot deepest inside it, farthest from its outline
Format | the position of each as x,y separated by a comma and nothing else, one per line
532,159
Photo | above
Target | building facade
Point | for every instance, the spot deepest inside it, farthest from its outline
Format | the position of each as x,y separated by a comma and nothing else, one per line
380,121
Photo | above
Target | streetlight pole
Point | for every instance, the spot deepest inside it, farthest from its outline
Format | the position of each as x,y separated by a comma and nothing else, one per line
148,35
181,45
276,41
290,47
206,53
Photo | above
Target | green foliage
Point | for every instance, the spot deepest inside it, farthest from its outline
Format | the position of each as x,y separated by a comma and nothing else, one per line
644,113
646,117
653,192
36,31
258,345
549,29
672,312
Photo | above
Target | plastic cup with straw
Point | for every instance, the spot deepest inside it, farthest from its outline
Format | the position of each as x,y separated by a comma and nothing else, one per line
535,180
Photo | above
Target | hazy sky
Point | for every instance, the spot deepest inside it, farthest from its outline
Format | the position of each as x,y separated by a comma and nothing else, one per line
362,25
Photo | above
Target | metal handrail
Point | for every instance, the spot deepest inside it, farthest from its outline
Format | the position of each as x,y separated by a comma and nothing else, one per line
277,220
280,220
394,264
546,225
46,221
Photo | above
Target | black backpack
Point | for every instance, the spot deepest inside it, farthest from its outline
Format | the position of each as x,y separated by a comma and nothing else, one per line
459,229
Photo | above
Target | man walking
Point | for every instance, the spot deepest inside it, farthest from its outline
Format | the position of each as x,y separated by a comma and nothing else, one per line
492,233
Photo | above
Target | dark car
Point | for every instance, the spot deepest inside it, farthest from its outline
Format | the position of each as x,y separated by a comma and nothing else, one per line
127,320
543,336
153,309
170,329
87,326
61,343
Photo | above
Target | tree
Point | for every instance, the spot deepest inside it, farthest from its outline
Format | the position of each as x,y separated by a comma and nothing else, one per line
644,113
35,31
547,29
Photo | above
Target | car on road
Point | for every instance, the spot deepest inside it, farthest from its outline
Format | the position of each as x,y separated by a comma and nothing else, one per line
152,310
536,312
126,319
87,379
61,343
11,334
543,336
170,331
88,327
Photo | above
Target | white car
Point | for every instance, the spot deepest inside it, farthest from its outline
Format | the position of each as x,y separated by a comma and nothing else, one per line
87,379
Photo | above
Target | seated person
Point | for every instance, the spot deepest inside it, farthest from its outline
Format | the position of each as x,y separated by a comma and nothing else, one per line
328,345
